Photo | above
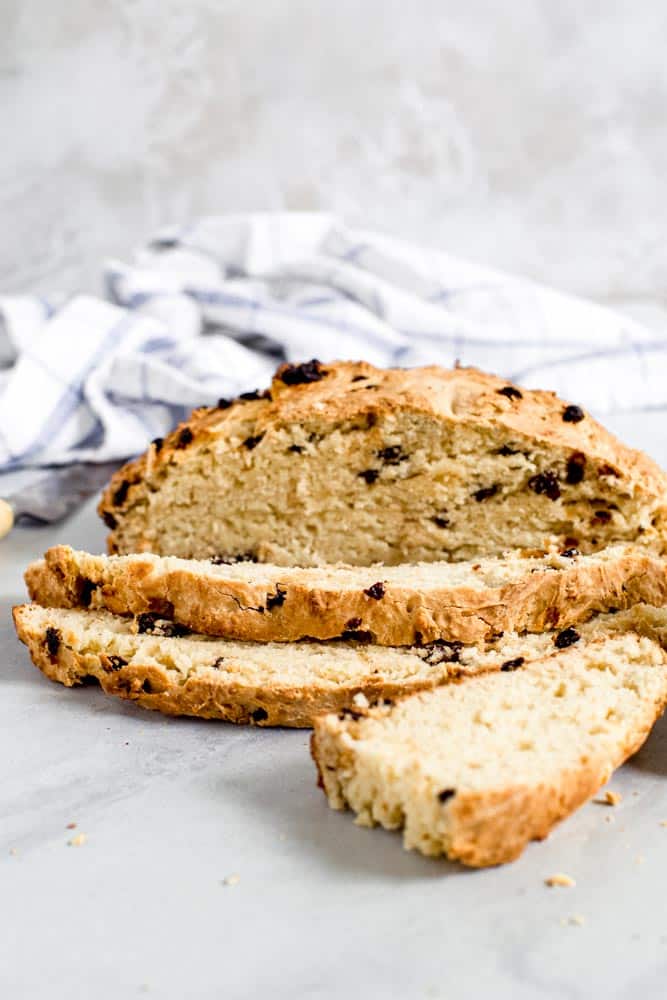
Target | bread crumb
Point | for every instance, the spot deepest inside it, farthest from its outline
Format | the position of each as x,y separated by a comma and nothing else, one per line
663,822
610,799
576,920
231,880
640,859
609,819
560,879
360,700
71,826
77,841
13,852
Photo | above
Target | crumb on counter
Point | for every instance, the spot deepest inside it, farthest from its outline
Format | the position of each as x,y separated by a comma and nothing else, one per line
559,879
609,799
78,841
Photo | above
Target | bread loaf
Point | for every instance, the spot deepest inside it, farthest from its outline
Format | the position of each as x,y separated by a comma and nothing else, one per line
345,462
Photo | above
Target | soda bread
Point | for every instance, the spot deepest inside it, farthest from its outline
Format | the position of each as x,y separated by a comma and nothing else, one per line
160,665
347,462
389,605
477,770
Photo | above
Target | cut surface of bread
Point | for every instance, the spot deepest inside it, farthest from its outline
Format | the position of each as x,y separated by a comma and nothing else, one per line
270,684
345,462
388,605
478,769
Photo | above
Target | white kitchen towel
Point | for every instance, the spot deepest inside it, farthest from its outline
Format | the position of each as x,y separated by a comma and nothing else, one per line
209,309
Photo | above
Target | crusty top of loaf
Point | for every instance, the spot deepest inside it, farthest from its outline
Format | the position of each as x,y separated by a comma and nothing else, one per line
347,391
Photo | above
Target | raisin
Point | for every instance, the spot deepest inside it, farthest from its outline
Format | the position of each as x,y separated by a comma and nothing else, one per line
392,455
157,444
357,635
184,438
296,448
443,651
147,687
53,639
545,482
308,371
116,662
252,441
224,404
510,392
608,470
86,588
573,414
248,397
152,623
576,468
227,560
376,591
486,492
442,522
276,600
566,638
218,663
446,794
602,517
518,661
370,475
119,496
360,378
109,520
506,450
259,715
570,553
353,623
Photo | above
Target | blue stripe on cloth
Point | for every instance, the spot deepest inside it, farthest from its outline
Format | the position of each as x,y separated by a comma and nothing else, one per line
66,405
224,298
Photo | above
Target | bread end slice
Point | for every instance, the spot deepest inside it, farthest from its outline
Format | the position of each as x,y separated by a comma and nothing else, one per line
478,769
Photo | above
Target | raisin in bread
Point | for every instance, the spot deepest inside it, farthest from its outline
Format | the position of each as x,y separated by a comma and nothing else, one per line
347,462
389,605
477,770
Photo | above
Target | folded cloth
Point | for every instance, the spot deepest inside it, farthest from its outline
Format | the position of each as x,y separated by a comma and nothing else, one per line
207,310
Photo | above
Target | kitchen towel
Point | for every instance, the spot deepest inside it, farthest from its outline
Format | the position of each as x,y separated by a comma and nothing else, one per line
209,310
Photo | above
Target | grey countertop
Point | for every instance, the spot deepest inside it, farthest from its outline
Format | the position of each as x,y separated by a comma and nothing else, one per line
171,808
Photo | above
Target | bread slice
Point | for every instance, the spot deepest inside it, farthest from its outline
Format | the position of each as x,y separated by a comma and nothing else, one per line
477,770
347,462
270,684
392,606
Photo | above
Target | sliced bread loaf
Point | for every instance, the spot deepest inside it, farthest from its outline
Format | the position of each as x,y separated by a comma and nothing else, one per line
346,462
152,662
389,605
477,770
158,664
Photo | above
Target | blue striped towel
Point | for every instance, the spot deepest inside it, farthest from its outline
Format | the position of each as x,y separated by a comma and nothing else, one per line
207,310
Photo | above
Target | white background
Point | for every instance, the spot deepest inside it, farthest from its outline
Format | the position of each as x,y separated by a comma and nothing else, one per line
528,135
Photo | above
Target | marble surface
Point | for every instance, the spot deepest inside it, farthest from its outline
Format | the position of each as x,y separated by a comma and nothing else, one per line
171,808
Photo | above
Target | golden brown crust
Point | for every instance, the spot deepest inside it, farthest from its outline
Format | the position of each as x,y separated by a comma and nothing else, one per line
462,395
288,610
204,696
